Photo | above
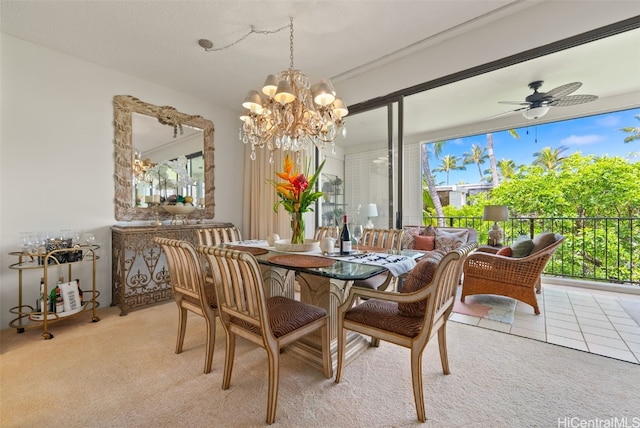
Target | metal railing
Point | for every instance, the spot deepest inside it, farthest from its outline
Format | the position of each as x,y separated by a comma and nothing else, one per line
602,249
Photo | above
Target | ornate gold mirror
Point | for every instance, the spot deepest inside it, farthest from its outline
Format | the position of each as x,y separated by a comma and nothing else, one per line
130,119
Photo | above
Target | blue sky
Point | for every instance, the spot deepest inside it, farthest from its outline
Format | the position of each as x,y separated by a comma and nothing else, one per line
598,135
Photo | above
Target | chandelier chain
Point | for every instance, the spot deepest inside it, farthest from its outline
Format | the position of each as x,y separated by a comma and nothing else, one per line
291,44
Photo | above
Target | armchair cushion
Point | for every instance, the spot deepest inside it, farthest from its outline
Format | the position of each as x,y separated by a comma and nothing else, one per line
521,248
542,240
506,251
419,277
449,241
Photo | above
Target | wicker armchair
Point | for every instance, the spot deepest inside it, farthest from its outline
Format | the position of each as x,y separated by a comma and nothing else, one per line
518,278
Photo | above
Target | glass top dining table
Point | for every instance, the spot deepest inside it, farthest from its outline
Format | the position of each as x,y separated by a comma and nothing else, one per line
345,268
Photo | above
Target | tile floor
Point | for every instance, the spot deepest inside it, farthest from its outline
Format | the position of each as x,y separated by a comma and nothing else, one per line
599,322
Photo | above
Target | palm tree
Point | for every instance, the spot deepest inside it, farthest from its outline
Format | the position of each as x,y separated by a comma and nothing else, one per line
634,131
549,158
507,168
492,157
428,176
477,155
449,163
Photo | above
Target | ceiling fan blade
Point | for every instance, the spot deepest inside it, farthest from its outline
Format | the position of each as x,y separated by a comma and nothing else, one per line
506,113
516,103
572,100
564,90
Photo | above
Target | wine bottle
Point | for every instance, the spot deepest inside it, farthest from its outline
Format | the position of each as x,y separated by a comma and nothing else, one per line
55,291
59,301
42,299
345,238
79,290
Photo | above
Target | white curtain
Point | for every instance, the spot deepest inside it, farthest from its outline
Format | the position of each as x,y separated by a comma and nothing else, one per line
260,196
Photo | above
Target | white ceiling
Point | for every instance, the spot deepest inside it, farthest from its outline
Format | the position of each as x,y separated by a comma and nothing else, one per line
157,41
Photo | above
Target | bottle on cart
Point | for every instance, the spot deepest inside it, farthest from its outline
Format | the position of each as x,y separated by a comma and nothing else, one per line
345,238
59,301
42,299
79,290
55,291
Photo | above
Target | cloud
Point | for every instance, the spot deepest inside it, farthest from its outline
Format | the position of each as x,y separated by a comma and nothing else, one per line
582,140
609,121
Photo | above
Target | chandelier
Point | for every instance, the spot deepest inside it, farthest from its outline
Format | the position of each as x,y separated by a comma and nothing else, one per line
290,113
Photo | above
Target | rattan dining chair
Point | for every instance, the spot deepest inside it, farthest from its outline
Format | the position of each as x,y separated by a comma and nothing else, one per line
190,291
271,323
386,240
213,236
409,318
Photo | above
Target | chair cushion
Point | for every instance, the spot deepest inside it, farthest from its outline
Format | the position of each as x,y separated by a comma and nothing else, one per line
542,240
448,241
424,243
285,316
521,247
505,251
419,277
384,315
372,283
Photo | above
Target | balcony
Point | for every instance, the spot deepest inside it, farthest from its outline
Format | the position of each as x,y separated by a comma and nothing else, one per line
599,252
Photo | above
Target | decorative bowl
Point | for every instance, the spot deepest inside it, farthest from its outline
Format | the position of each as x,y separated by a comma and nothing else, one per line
286,245
179,209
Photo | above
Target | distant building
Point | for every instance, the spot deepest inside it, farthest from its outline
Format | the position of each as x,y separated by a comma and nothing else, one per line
456,195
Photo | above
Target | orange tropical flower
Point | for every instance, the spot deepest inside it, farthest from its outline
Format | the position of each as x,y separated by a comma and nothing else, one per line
296,192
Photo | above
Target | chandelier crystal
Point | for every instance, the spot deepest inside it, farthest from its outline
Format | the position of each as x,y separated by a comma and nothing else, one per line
290,113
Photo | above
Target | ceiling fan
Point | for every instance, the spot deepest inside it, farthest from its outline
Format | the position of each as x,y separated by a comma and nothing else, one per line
537,104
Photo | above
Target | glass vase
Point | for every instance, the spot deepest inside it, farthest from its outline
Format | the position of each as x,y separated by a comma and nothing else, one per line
297,228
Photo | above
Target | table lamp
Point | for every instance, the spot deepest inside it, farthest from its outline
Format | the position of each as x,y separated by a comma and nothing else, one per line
372,211
495,213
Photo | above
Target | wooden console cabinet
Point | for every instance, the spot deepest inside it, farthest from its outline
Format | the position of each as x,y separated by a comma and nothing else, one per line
139,272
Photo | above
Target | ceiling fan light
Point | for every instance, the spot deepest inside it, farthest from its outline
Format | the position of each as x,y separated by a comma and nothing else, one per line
536,112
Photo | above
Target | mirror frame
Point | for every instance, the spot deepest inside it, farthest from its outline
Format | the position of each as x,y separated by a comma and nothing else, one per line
123,108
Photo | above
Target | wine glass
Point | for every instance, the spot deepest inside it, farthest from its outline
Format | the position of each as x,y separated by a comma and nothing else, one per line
357,234
88,238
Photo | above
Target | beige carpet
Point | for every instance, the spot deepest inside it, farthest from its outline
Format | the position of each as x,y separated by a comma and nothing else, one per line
123,372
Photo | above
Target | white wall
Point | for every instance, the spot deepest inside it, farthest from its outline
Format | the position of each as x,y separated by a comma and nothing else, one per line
56,154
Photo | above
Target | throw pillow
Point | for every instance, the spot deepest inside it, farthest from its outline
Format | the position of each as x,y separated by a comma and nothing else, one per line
408,241
542,240
506,251
424,243
521,248
449,241
419,277
429,231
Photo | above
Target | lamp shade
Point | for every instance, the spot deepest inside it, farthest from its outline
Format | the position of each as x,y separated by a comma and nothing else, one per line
535,113
495,213
372,210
